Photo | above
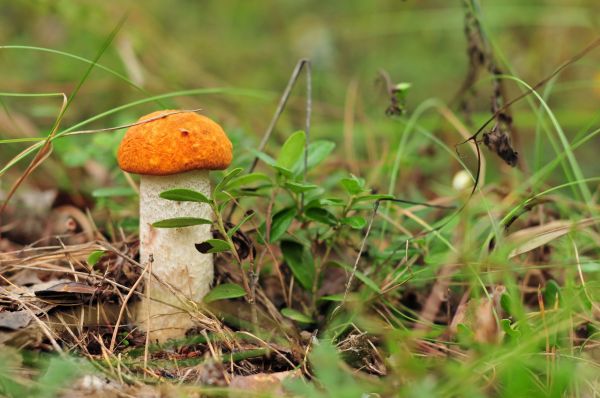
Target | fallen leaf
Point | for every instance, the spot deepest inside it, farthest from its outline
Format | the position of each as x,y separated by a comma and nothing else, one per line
14,320
69,291
486,327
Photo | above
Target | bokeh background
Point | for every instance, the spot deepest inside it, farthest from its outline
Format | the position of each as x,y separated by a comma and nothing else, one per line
246,51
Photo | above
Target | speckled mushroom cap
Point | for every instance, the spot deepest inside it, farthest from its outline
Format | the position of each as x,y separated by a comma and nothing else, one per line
175,143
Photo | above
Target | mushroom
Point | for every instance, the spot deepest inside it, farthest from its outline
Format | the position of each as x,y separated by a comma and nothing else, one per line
174,149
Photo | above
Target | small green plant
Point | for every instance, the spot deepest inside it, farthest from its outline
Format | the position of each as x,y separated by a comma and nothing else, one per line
302,218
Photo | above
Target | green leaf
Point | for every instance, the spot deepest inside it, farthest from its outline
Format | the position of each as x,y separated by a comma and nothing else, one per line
213,246
552,294
245,180
317,152
332,297
296,315
300,262
353,185
263,156
94,257
280,222
180,222
356,222
129,224
505,303
225,291
291,151
237,227
508,328
228,177
113,191
284,171
222,198
322,215
184,195
402,86
590,266
297,187
331,202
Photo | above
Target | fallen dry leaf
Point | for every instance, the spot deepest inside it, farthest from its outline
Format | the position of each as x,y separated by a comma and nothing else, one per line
486,327
14,320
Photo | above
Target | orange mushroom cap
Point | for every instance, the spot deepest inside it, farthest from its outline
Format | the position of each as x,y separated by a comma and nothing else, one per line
173,144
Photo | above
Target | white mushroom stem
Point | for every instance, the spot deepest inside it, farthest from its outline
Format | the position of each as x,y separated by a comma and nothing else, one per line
176,261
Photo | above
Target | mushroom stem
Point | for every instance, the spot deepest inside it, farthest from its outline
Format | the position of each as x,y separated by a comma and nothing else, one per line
175,259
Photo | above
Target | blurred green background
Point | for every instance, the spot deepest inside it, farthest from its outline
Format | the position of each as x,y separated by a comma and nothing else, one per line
252,47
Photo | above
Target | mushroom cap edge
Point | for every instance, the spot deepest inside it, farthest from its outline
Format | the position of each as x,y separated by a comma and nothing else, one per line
173,144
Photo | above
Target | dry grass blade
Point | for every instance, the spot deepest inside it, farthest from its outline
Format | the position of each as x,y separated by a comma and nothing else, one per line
39,158
113,339
531,238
